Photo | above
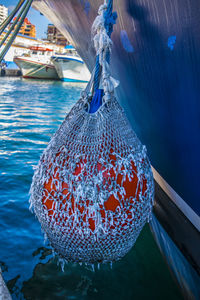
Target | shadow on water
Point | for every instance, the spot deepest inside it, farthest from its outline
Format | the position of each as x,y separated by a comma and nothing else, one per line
142,274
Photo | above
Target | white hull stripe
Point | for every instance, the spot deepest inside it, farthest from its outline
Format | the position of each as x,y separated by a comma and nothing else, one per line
180,203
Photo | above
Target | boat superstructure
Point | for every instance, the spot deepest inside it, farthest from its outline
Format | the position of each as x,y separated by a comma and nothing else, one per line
70,66
37,64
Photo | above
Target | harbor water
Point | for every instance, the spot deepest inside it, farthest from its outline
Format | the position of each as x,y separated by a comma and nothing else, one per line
30,112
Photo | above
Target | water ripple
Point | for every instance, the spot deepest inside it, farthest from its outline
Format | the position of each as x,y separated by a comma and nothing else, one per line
30,112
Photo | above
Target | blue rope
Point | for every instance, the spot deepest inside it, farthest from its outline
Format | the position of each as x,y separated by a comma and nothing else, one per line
110,20
96,74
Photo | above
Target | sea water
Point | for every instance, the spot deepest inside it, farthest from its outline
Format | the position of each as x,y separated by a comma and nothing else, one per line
30,112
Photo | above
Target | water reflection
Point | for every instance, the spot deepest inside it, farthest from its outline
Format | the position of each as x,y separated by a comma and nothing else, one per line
134,277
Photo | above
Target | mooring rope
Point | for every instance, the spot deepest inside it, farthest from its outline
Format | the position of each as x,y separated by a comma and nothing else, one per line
109,20
13,25
25,10
10,17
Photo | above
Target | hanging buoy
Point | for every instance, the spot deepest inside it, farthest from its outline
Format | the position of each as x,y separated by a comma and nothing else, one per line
93,188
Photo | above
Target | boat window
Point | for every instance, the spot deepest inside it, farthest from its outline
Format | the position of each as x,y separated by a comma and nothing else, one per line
34,52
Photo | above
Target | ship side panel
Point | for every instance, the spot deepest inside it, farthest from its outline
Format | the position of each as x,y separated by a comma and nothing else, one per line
156,58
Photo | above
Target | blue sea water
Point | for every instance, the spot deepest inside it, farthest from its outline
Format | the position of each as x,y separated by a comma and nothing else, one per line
30,112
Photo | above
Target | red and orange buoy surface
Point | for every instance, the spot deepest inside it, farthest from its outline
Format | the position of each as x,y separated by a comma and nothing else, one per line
93,188
93,223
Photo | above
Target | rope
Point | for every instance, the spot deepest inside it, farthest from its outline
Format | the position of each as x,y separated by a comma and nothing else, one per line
10,17
97,73
12,27
110,19
6,48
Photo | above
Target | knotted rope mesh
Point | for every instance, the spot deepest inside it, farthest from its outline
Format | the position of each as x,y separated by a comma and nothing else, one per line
92,190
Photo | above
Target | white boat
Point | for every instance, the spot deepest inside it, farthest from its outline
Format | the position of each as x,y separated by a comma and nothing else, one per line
37,63
70,66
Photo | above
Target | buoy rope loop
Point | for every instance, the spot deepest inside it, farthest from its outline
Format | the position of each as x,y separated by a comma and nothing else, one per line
101,32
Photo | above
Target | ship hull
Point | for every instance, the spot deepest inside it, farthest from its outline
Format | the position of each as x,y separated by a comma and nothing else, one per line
156,57
31,69
71,70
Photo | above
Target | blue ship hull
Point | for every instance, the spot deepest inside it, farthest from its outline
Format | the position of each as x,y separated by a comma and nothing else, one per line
156,57
157,60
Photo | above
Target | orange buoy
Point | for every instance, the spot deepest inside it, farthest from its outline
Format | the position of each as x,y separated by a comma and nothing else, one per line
131,187
93,189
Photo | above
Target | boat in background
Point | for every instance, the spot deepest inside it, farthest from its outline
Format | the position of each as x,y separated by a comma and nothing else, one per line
70,66
21,46
37,64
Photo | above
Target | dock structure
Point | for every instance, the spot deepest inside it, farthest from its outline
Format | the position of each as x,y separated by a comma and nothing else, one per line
4,293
